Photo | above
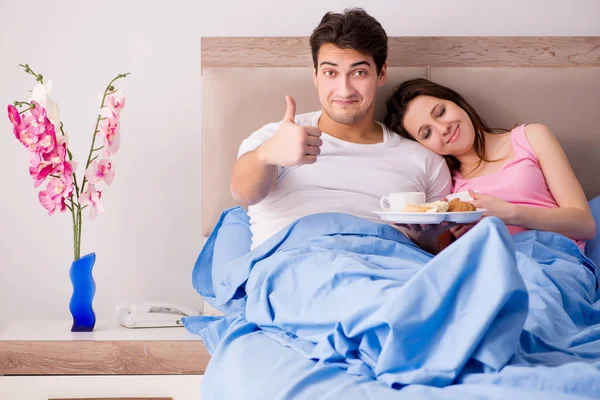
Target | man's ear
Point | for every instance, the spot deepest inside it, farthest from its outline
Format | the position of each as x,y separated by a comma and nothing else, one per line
382,75
315,76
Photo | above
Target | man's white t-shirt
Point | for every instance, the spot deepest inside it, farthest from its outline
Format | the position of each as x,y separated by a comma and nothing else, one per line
347,178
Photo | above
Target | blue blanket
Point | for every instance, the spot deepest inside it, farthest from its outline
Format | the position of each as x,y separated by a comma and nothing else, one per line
339,299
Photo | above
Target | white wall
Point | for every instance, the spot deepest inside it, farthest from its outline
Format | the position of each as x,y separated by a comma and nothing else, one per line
150,236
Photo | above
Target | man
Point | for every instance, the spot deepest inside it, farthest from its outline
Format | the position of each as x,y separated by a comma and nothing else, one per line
338,159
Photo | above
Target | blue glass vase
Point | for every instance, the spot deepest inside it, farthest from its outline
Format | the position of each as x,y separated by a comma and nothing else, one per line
84,289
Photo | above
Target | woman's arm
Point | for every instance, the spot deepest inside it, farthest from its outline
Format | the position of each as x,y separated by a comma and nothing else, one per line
573,218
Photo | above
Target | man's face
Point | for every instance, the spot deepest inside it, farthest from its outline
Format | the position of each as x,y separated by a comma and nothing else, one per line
347,82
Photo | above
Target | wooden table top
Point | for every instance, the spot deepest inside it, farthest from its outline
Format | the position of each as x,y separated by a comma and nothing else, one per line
50,348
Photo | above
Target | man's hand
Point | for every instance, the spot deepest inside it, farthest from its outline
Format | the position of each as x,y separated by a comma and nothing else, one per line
426,231
459,230
292,144
426,235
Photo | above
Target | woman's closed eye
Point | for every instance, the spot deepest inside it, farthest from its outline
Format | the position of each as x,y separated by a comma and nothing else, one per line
426,134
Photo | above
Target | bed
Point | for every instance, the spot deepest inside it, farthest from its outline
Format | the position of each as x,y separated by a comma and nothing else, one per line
491,340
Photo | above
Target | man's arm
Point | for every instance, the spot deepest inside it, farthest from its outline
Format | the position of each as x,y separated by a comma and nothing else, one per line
252,178
255,173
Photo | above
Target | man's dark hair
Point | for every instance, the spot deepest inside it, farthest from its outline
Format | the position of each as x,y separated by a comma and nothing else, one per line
354,29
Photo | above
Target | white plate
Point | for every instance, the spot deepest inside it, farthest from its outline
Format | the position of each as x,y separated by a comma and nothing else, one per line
430,218
465,216
411,217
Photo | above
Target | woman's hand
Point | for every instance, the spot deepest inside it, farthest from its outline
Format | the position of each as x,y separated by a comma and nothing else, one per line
495,207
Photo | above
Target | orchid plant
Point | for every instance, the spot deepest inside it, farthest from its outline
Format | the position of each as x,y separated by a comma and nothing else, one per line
36,124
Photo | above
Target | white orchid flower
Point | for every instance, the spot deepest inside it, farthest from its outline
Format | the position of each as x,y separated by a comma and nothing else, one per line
41,93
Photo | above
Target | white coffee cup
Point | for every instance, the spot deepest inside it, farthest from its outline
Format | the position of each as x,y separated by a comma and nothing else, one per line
397,201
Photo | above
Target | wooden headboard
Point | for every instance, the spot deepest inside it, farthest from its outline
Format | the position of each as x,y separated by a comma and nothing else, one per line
509,80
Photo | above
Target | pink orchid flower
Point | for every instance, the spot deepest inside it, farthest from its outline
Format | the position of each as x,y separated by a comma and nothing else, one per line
28,135
47,138
44,164
111,144
100,170
109,128
55,163
64,168
56,156
115,102
34,123
92,198
51,205
59,187
35,160
40,173
36,116
15,119
108,113
13,115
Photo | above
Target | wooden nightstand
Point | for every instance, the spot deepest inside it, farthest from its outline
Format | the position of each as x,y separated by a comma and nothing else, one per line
42,360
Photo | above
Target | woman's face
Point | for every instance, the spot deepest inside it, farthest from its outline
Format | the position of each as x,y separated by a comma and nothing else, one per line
440,125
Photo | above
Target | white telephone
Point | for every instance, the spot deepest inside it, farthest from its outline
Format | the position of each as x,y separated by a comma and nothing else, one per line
153,315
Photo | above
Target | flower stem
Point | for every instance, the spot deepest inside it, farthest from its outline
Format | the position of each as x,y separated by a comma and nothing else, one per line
79,233
75,258
71,159
28,70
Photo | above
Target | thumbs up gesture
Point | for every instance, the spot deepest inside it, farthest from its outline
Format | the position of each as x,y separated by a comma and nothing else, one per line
292,144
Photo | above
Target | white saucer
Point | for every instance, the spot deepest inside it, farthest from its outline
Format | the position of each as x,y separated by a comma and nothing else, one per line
430,218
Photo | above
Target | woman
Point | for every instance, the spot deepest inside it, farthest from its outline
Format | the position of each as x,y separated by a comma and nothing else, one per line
521,176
